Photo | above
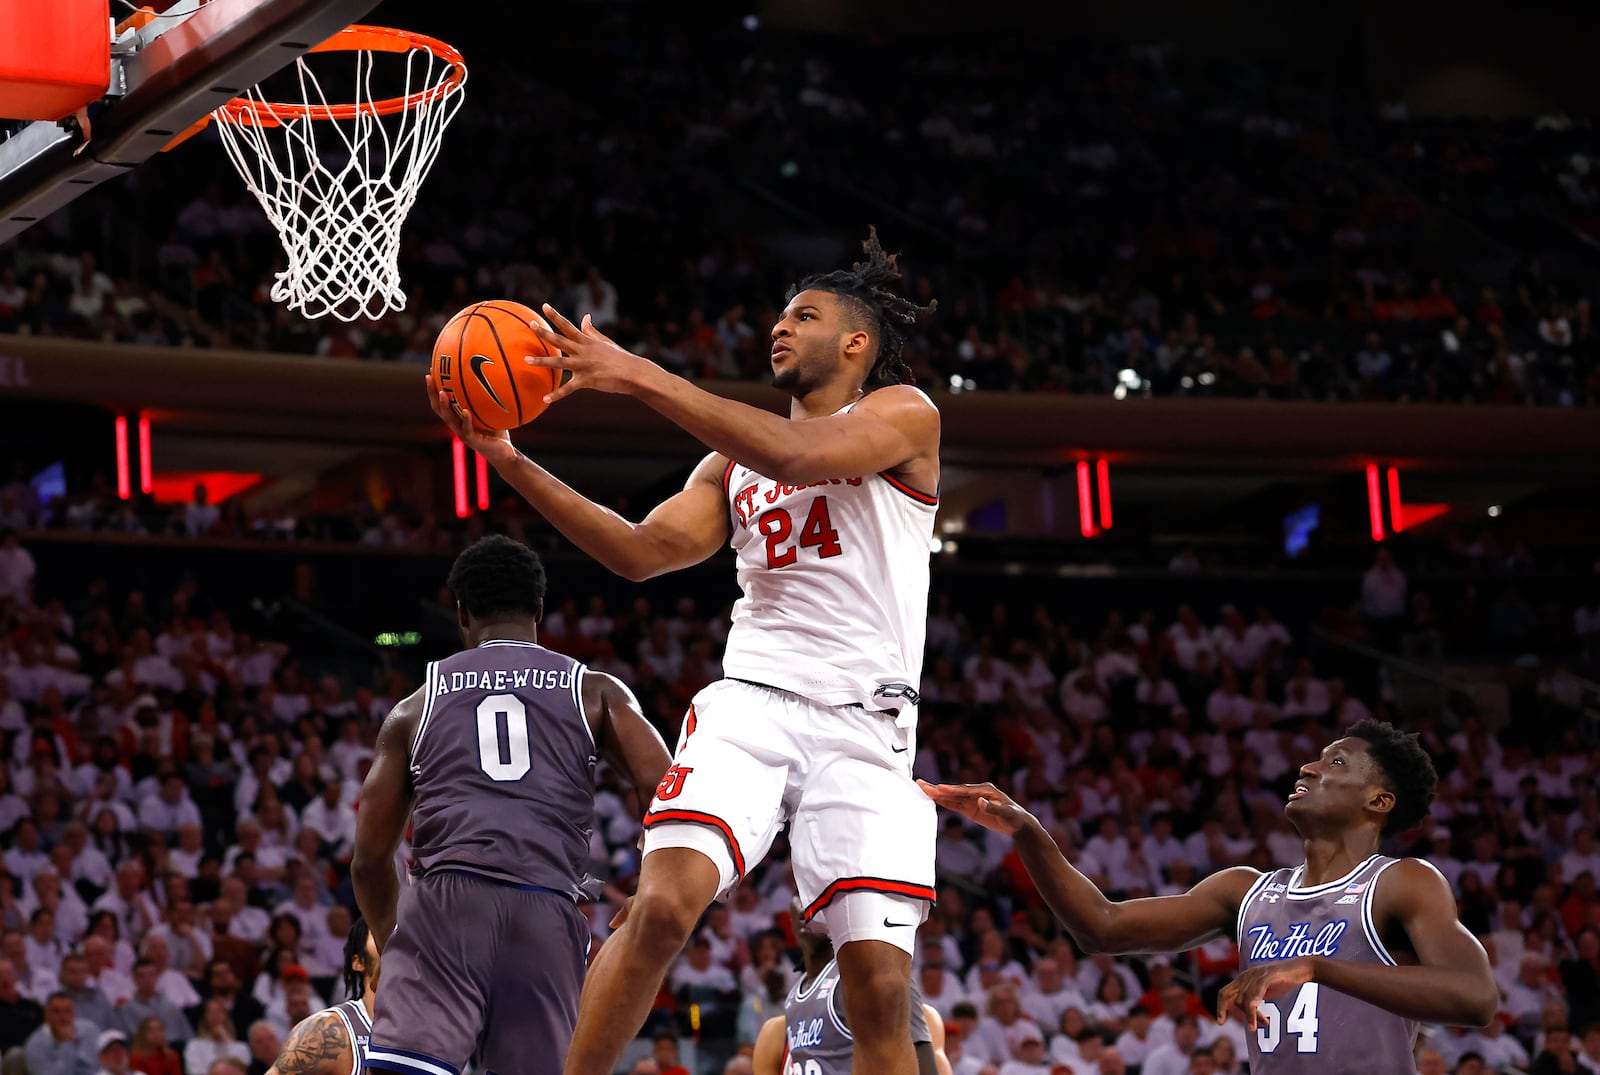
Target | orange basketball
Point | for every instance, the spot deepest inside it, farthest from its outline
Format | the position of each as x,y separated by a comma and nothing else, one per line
477,362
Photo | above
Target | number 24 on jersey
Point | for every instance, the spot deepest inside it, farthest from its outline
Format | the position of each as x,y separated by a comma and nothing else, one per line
816,532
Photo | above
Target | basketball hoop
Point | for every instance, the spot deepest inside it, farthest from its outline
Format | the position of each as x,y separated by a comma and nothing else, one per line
338,208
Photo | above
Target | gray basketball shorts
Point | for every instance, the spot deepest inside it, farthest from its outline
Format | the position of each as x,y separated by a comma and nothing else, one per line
480,971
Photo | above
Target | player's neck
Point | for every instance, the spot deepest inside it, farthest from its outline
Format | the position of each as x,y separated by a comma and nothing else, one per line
1330,857
501,631
821,402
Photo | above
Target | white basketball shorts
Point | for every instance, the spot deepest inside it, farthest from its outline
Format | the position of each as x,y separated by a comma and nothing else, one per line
750,757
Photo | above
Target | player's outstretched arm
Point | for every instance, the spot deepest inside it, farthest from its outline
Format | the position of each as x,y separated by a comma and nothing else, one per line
317,1045
1450,984
1157,924
381,821
891,427
625,738
771,1043
685,529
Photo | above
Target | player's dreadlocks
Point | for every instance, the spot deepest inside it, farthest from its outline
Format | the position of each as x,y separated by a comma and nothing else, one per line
355,946
1407,771
497,574
880,309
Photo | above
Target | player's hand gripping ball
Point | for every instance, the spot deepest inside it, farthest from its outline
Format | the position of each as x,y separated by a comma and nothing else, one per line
477,363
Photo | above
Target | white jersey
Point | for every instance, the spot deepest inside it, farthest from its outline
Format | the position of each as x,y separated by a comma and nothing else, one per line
835,581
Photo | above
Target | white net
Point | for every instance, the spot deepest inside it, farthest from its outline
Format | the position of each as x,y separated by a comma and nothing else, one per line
337,180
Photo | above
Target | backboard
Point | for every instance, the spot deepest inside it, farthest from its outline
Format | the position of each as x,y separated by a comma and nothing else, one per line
165,76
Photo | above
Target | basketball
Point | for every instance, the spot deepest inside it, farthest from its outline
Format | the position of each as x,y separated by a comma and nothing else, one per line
477,362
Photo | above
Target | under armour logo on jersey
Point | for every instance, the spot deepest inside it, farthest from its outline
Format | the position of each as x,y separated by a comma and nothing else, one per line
899,690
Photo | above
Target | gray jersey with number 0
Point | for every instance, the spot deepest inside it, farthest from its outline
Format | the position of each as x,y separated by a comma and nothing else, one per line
503,766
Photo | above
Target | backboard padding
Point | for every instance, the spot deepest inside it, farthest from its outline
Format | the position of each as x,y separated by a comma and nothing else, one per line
177,79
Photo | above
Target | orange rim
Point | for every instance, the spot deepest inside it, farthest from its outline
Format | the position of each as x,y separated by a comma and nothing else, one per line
243,111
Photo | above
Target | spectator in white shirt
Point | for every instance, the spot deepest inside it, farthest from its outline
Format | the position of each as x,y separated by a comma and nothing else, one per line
170,983
1383,590
1082,698
696,969
1134,1044
987,676
26,859
331,818
200,515
1005,1026
1345,709
185,858
940,988
1190,639
1500,1051
1027,1054
244,921
1227,707
1154,689
597,623
17,570
305,908
270,861
1173,1057
1583,858
1228,635
99,955
1305,695
1048,994
44,949
1260,636
169,810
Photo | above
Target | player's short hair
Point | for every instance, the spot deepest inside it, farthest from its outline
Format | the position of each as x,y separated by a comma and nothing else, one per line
1407,771
876,306
498,574
355,981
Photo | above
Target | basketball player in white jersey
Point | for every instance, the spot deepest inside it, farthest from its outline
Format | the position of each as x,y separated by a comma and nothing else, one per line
334,1041
830,512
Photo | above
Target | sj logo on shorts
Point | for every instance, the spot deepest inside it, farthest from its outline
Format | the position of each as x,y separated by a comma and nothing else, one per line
671,785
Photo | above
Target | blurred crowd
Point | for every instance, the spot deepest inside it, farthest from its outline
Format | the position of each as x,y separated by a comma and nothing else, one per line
177,797
1161,226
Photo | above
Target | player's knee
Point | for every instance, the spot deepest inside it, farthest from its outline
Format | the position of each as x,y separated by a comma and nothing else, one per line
878,996
664,918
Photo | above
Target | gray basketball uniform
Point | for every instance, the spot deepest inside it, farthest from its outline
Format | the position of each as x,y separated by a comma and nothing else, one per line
818,1038
354,1016
488,956
1315,1030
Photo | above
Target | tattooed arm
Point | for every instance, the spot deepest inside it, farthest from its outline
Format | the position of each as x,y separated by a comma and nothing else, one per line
318,1045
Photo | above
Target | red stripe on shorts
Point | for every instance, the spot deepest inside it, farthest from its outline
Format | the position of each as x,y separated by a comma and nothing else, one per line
697,817
868,884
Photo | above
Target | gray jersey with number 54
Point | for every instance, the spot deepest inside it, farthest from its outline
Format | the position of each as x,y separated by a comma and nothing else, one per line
503,768
1313,1030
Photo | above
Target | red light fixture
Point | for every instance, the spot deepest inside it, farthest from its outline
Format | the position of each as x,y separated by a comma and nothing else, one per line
145,482
483,482
1374,502
1397,515
124,491
1085,501
458,460
1102,475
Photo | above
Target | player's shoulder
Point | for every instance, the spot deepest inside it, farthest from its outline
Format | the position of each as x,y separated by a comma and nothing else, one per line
901,398
713,469
316,1040
1410,874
